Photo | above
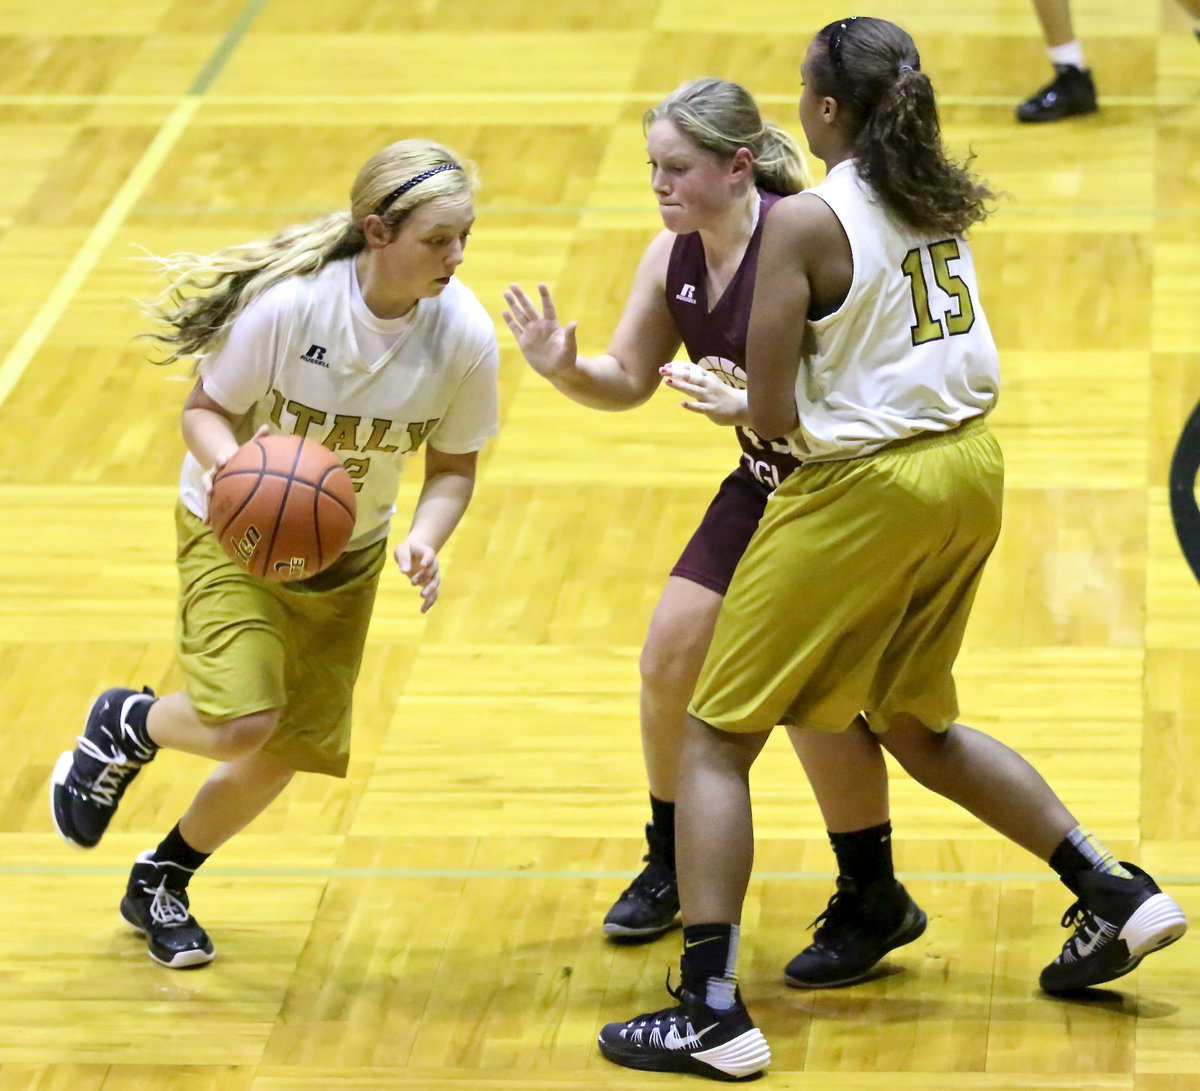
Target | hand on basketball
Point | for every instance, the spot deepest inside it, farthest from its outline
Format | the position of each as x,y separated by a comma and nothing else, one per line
419,562
549,347
219,460
706,394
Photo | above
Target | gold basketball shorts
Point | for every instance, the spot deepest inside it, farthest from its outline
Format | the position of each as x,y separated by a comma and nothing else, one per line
853,595
246,645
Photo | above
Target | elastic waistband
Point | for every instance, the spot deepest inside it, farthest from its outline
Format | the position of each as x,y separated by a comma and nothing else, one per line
974,426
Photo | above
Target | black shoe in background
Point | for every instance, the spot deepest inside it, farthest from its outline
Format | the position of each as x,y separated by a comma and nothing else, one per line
856,930
1070,94
649,906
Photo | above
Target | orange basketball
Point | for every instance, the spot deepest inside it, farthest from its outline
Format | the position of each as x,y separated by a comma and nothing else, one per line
282,507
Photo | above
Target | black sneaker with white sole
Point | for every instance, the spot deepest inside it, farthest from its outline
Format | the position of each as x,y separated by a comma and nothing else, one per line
89,781
156,904
1117,922
857,928
649,906
690,1037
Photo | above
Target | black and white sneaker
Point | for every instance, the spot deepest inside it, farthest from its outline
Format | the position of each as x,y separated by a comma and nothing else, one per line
649,906
690,1037
89,781
1117,923
854,932
156,904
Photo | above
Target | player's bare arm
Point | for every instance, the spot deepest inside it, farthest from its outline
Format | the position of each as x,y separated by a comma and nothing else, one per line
779,317
445,494
627,374
208,428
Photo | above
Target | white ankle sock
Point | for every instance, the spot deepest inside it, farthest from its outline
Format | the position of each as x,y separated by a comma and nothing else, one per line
1069,53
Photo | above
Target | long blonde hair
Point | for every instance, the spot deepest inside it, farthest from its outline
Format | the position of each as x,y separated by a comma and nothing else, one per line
207,292
720,116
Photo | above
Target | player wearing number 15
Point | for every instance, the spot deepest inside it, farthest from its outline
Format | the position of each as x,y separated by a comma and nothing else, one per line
846,612
352,332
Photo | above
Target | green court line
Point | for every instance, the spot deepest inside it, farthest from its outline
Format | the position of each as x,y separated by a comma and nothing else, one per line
80,267
541,873
232,39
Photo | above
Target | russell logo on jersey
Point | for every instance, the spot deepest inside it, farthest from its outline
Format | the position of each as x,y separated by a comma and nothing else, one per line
315,355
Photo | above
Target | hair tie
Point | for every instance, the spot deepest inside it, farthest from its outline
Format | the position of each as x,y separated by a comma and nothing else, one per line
383,205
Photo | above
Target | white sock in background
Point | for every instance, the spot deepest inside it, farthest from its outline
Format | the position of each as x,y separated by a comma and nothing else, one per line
1069,53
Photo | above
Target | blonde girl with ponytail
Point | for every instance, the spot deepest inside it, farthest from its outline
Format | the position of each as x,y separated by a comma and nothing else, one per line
352,330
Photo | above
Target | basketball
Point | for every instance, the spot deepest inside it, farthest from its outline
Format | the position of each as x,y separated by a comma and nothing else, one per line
282,507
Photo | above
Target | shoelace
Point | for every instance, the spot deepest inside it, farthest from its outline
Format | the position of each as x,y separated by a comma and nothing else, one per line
107,784
1090,932
166,907
141,754
839,908
657,1016
1074,915
670,1028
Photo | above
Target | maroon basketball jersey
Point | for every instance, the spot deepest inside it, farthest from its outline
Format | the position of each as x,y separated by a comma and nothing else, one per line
715,334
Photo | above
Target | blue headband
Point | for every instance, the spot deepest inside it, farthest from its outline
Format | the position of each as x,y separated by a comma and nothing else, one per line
385,204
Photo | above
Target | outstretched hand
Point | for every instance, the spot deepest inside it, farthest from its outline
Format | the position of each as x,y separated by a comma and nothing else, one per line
549,347
706,394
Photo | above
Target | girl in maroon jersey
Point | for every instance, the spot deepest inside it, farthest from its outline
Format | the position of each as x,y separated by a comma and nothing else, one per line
716,170
869,348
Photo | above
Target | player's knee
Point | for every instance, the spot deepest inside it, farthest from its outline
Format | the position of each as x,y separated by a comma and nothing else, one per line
922,753
245,735
669,671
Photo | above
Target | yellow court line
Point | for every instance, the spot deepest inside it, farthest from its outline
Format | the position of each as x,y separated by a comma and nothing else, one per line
85,259
580,874
441,98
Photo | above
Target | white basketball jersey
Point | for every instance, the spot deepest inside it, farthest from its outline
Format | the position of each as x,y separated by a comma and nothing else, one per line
307,357
908,351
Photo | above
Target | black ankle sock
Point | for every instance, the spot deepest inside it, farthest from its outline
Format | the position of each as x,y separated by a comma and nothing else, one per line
865,855
135,721
706,950
1079,851
662,818
173,849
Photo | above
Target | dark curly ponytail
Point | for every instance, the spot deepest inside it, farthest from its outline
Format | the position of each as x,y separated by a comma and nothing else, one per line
872,67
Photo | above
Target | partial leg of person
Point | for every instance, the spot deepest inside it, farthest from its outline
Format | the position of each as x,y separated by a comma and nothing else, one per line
1072,91
709,1032
871,913
156,899
680,630
1120,914
123,732
1192,7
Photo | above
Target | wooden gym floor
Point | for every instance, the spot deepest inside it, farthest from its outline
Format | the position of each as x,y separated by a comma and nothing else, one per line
433,921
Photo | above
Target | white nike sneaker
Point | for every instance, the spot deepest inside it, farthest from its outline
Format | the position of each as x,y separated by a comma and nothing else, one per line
1117,922
690,1037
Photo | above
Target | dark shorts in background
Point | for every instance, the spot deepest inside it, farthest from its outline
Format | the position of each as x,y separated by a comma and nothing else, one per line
715,548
